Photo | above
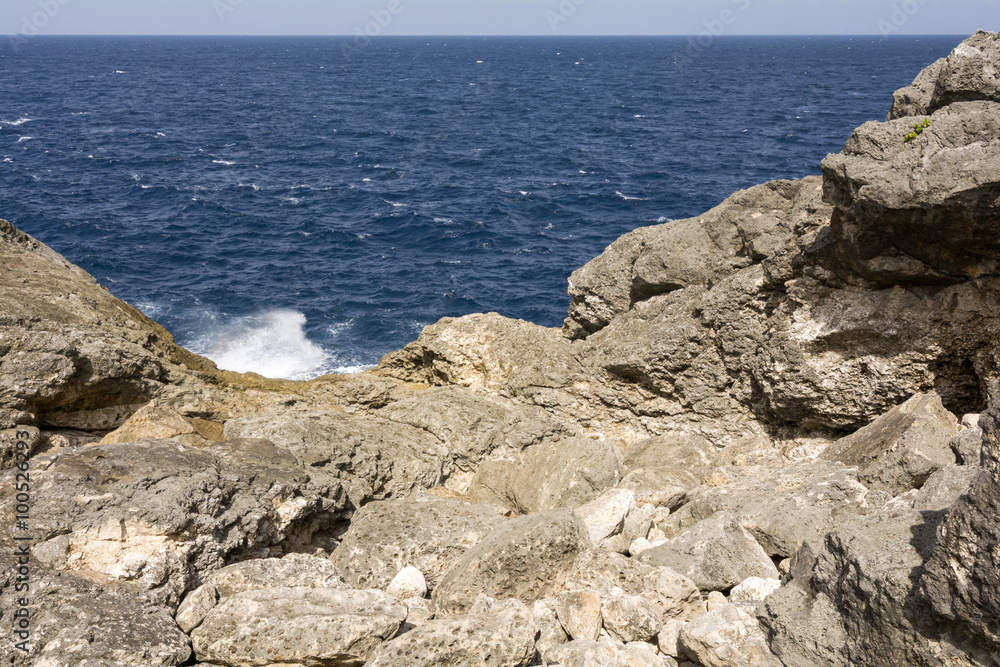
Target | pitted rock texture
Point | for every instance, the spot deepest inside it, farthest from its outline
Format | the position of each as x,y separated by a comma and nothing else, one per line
160,514
427,532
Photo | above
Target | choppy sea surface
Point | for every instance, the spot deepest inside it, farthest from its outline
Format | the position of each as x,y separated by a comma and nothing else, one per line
297,206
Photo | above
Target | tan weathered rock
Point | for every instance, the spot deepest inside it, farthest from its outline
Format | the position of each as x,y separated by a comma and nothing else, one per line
631,618
550,629
728,636
899,451
604,516
297,625
527,558
425,531
716,554
580,613
159,423
503,636
676,596
754,589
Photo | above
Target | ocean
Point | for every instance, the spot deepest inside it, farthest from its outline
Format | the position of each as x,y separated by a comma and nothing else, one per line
300,206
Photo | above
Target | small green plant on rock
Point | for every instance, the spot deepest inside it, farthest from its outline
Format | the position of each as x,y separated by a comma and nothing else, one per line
918,128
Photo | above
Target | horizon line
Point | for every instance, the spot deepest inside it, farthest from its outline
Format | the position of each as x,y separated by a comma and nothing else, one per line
451,35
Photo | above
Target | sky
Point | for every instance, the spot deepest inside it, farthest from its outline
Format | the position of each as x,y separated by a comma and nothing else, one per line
497,17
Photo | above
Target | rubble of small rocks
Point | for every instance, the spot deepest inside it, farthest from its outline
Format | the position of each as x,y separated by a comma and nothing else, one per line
765,436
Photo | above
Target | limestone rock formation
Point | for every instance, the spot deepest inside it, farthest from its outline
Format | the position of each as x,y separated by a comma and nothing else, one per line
526,558
503,636
424,531
760,400
160,514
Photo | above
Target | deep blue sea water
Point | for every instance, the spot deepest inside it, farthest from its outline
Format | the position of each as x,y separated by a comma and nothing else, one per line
301,205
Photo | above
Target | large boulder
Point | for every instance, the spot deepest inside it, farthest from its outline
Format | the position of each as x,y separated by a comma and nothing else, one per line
728,636
74,621
319,626
374,457
968,73
716,554
427,532
72,355
785,508
526,558
854,598
564,473
918,212
962,577
161,515
503,636
901,449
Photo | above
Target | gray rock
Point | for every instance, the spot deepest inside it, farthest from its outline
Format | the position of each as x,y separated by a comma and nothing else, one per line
298,626
728,636
716,554
161,514
961,581
526,558
579,612
17,445
74,621
72,355
471,427
968,73
918,212
567,473
685,453
662,487
855,599
673,594
584,653
899,451
427,532
968,447
374,458
785,508
504,636
917,98
292,571
631,618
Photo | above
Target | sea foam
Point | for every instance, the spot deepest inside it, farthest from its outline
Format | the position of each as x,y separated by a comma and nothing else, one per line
272,343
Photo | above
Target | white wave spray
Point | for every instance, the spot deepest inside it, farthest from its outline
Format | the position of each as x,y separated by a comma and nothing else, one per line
272,343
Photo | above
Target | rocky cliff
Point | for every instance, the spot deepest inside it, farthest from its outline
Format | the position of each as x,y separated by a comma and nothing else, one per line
755,441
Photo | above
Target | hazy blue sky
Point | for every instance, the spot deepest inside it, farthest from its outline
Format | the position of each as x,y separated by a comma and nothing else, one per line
497,17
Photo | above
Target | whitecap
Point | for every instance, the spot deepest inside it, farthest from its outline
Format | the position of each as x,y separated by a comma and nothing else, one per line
295,201
638,116
662,219
160,134
225,162
627,198
118,71
394,204
446,221
479,62
24,139
366,180
14,123
523,193
272,343
582,171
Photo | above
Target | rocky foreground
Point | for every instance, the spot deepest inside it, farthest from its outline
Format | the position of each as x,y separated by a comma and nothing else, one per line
769,435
